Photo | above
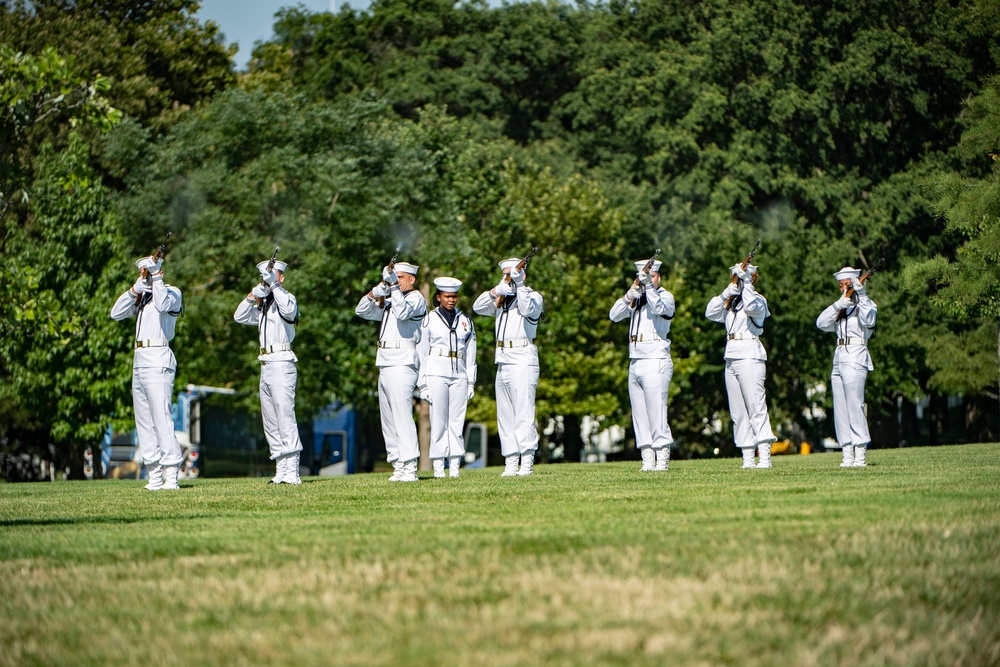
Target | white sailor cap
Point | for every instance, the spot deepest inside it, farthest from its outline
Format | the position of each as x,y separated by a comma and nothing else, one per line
508,264
737,267
446,284
406,267
847,273
641,264
278,266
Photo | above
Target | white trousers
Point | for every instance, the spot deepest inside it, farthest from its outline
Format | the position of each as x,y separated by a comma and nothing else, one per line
848,385
152,391
515,387
277,407
748,402
395,402
450,399
648,387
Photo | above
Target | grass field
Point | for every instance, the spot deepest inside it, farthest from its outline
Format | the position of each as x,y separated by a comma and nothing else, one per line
804,564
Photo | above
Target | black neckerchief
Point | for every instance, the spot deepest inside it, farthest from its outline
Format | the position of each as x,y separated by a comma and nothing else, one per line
450,318
143,302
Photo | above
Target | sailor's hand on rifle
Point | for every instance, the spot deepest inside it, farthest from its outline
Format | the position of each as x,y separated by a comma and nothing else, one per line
633,292
859,287
740,272
645,279
268,277
380,291
517,276
141,286
389,276
150,265
261,291
730,291
503,288
843,303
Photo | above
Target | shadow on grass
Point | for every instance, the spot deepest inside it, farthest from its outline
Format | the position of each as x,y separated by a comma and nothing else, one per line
10,523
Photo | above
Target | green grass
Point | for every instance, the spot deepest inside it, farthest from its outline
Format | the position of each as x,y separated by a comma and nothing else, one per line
804,564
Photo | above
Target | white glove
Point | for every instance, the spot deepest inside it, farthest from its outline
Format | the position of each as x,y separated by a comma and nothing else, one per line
261,291
268,277
741,273
645,279
517,276
633,292
503,288
732,289
141,286
472,392
149,264
380,290
859,287
425,395
389,276
843,303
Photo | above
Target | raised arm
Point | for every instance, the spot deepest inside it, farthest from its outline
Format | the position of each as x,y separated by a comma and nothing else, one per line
165,300
124,307
485,305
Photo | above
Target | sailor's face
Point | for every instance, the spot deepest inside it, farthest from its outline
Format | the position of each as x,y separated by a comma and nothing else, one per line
406,281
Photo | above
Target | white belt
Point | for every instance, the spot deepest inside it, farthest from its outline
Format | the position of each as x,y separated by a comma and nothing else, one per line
396,344
743,336
280,347
517,342
644,338
851,341
152,342
445,352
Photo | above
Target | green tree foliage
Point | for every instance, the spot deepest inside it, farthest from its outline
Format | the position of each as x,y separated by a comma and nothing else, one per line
158,58
964,274
64,361
466,133
36,94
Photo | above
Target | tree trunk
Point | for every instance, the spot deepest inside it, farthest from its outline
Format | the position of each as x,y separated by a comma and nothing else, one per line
979,419
934,419
571,438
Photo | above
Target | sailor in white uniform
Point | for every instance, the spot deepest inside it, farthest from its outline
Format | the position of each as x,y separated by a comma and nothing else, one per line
853,320
401,310
649,309
447,375
274,311
155,306
743,311
517,309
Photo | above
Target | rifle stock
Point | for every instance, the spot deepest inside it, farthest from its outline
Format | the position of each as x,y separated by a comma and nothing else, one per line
270,266
645,269
392,265
849,292
744,265
520,267
160,252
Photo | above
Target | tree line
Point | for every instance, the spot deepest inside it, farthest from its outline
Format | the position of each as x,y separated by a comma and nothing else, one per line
838,133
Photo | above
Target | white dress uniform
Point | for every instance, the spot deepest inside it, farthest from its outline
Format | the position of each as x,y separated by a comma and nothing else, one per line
447,352
745,367
275,321
854,324
517,320
398,364
650,369
153,369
